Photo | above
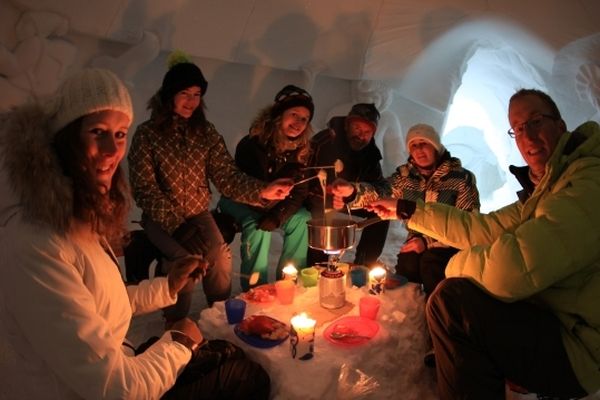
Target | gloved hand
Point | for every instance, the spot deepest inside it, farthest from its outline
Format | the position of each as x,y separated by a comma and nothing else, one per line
188,236
392,209
405,208
268,223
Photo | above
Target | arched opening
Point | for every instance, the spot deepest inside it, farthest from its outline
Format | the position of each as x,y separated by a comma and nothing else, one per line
476,119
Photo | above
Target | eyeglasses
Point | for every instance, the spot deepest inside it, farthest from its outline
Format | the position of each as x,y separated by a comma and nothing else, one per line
532,124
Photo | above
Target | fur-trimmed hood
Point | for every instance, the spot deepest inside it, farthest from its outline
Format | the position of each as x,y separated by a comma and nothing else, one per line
32,170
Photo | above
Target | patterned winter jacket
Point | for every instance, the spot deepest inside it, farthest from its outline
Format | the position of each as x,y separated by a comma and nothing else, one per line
450,184
359,166
545,249
261,163
170,172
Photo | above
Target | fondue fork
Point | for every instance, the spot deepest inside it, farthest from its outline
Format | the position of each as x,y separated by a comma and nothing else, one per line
252,278
338,166
306,179
322,175
318,167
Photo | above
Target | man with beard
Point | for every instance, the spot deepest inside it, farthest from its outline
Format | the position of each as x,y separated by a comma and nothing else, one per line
351,140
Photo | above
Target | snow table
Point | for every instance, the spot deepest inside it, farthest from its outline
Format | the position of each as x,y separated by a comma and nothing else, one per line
390,365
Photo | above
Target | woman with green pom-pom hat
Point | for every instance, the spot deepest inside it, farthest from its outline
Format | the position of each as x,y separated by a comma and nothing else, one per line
181,75
172,160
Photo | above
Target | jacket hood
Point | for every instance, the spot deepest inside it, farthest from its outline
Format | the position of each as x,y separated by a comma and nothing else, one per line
32,169
584,141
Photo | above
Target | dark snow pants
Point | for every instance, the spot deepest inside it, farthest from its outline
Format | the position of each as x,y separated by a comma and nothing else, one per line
428,267
481,342
219,370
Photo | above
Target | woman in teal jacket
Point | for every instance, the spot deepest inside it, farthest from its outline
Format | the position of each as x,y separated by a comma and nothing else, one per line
528,311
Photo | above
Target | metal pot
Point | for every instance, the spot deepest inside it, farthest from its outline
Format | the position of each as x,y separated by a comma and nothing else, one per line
335,234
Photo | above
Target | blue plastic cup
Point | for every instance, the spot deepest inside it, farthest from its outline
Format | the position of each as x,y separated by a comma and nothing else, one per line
358,276
235,310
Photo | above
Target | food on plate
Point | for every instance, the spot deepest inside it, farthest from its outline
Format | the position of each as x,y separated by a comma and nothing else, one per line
343,329
261,294
264,327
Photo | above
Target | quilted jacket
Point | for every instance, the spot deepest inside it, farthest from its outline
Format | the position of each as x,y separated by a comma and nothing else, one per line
545,249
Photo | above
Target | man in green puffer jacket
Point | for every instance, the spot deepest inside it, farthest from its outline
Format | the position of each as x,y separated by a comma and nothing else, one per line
523,304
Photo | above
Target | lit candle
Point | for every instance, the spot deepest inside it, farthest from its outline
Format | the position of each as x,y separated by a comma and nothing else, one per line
302,337
376,280
290,272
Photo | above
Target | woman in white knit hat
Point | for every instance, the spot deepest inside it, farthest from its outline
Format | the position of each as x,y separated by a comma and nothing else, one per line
430,174
64,310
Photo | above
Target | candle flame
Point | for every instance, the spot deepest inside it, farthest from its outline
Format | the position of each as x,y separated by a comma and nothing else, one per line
377,272
289,269
303,321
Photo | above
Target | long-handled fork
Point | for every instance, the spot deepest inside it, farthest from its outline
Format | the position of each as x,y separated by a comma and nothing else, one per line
252,278
338,166
306,179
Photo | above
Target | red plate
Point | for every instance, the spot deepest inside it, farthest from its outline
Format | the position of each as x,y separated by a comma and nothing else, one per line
351,331
260,294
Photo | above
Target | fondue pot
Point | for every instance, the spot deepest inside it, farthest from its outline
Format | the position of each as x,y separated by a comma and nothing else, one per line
332,235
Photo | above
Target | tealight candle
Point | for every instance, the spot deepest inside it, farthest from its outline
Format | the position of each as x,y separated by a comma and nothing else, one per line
302,337
376,280
290,273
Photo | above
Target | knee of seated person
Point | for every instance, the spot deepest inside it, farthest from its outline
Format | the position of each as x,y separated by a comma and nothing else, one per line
448,292
304,213
216,250
262,381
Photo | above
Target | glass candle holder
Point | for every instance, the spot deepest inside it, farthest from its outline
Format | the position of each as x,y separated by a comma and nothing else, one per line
376,280
302,337
285,291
